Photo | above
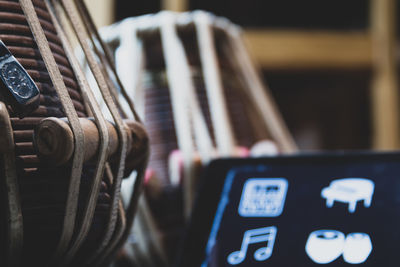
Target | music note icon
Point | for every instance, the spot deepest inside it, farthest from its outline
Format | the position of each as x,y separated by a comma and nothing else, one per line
265,234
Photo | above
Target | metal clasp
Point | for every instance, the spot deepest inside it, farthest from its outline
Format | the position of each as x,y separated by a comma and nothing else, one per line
16,86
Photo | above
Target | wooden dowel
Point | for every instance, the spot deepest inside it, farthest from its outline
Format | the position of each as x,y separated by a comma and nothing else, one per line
54,142
23,135
20,18
29,52
47,100
138,151
25,123
39,65
25,148
43,111
29,161
29,41
9,27
14,7
47,89
42,76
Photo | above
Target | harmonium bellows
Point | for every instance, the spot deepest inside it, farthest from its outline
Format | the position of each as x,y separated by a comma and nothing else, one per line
61,161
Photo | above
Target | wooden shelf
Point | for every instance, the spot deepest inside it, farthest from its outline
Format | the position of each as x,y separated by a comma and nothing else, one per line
309,50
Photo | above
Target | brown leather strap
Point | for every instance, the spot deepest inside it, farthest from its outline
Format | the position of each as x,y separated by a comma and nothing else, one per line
133,206
121,127
107,59
83,227
181,110
223,132
14,214
119,230
77,162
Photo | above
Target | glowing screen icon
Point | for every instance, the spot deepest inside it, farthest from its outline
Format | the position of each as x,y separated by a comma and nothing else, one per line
325,246
263,197
349,190
261,235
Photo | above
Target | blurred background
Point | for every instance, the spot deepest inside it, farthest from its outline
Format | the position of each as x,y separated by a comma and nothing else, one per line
331,65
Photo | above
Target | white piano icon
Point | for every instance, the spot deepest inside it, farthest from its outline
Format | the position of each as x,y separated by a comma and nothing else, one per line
349,190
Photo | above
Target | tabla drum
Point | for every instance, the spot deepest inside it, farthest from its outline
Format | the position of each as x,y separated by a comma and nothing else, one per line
61,161
201,98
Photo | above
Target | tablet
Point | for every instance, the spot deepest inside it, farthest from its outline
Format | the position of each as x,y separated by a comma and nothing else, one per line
334,210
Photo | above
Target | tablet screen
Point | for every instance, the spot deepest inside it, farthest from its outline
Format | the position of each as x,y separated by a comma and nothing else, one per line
304,211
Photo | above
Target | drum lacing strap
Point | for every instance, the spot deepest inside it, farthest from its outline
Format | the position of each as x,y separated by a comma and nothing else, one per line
216,98
133,206
14,213
122,235
107,58
185,107
94,188
58,83
121,127
259,94
131,50
121,226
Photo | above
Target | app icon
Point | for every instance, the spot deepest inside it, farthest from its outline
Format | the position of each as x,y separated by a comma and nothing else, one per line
265,235
325,246
263,197
349,190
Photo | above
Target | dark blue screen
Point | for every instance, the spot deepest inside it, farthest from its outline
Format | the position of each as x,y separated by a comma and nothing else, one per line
307,214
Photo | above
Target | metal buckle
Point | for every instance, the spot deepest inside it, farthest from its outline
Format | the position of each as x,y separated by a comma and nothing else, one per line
16,86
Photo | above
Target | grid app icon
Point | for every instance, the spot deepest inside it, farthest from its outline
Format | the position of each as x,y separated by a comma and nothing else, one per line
263,197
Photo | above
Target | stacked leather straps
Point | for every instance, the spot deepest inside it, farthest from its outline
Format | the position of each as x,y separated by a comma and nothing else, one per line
65,211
